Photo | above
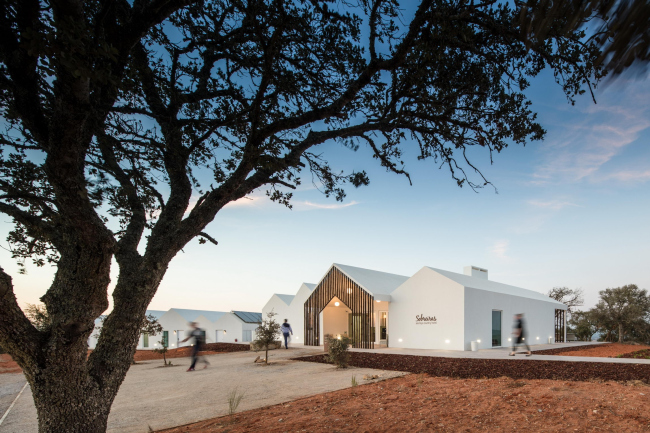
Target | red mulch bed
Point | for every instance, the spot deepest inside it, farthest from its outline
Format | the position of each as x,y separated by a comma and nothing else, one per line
607,350
468,368
639,354
8,365
183,352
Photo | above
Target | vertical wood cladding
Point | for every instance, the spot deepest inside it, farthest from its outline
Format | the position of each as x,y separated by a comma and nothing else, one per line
360,302
560,324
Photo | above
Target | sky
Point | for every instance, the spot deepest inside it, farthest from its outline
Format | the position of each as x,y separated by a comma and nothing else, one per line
569,211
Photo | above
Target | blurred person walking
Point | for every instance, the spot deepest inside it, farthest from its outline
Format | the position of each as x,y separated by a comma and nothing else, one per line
519,334
286,329
198,335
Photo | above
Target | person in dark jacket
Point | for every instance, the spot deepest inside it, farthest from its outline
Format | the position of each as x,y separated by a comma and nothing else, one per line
286,330
519,334
198,335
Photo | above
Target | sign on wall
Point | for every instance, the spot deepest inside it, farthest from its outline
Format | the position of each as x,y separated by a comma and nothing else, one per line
421,319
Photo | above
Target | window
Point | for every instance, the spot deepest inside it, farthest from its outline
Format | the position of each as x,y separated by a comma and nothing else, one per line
165,339
496,328
145,340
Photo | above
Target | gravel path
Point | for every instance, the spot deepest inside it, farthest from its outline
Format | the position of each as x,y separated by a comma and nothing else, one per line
164,397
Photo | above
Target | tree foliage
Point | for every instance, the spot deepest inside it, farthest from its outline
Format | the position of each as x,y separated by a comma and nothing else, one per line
128,126
624,311
584,324
37,314
622,27
572,298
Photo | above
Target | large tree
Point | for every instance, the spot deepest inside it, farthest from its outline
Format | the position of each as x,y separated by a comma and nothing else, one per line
625,310
116,110
572,298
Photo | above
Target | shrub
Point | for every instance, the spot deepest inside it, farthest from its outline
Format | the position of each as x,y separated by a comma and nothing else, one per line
266,334
338,352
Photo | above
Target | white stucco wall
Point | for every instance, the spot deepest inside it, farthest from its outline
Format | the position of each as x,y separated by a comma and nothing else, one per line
538,317
430,294
233,326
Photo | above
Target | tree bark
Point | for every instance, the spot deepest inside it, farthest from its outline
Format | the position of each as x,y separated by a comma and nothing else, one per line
620,333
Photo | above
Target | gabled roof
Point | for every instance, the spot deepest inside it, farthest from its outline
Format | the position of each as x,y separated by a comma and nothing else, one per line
286,298
493,286
374,282
191,315
154,313
310,286
212,316
248,317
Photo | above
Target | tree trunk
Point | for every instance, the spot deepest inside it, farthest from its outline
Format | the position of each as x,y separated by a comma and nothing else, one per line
620,332
71,403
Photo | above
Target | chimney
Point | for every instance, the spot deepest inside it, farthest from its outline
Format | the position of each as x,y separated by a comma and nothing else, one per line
475,271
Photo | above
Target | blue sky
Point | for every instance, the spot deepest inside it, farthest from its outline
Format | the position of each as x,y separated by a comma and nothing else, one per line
570,211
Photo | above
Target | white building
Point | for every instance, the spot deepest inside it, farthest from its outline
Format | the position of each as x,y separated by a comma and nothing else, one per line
433,309
237,327
176,327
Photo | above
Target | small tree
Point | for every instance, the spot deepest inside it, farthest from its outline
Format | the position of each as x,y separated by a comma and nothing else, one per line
163,351
38,315
266,334
338,352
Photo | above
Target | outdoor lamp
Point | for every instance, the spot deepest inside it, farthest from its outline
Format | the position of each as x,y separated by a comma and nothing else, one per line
538,338
508,339
336,304
478,341
447,341
400,340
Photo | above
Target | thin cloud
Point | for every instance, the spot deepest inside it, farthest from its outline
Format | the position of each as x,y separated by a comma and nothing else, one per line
630,176
578,150
500,250
551,204
330,206
251,200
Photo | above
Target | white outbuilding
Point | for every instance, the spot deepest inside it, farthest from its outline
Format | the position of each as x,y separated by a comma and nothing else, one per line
432,309
237,327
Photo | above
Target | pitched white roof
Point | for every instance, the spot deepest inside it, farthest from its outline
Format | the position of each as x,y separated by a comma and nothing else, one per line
310,286
286,298
374,282
155,313
493,286
191,315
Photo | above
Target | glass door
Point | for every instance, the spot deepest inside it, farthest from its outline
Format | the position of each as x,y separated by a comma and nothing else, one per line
496,328
383,327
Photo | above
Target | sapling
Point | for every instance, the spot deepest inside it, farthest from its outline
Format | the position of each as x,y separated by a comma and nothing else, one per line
266,334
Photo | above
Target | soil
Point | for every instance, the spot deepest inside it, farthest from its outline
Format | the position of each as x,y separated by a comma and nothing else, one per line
8,365
610,350
472,368
422,403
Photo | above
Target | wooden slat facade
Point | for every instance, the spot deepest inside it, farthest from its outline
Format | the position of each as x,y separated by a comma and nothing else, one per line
360,302
560,324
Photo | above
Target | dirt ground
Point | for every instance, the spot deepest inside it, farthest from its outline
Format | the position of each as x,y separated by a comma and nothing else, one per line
421,403
8,365
611,350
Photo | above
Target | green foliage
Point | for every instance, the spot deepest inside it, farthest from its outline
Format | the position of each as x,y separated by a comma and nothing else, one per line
149,326
267,333
338,351
584,324
234,398
624,312
38,315
354,382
